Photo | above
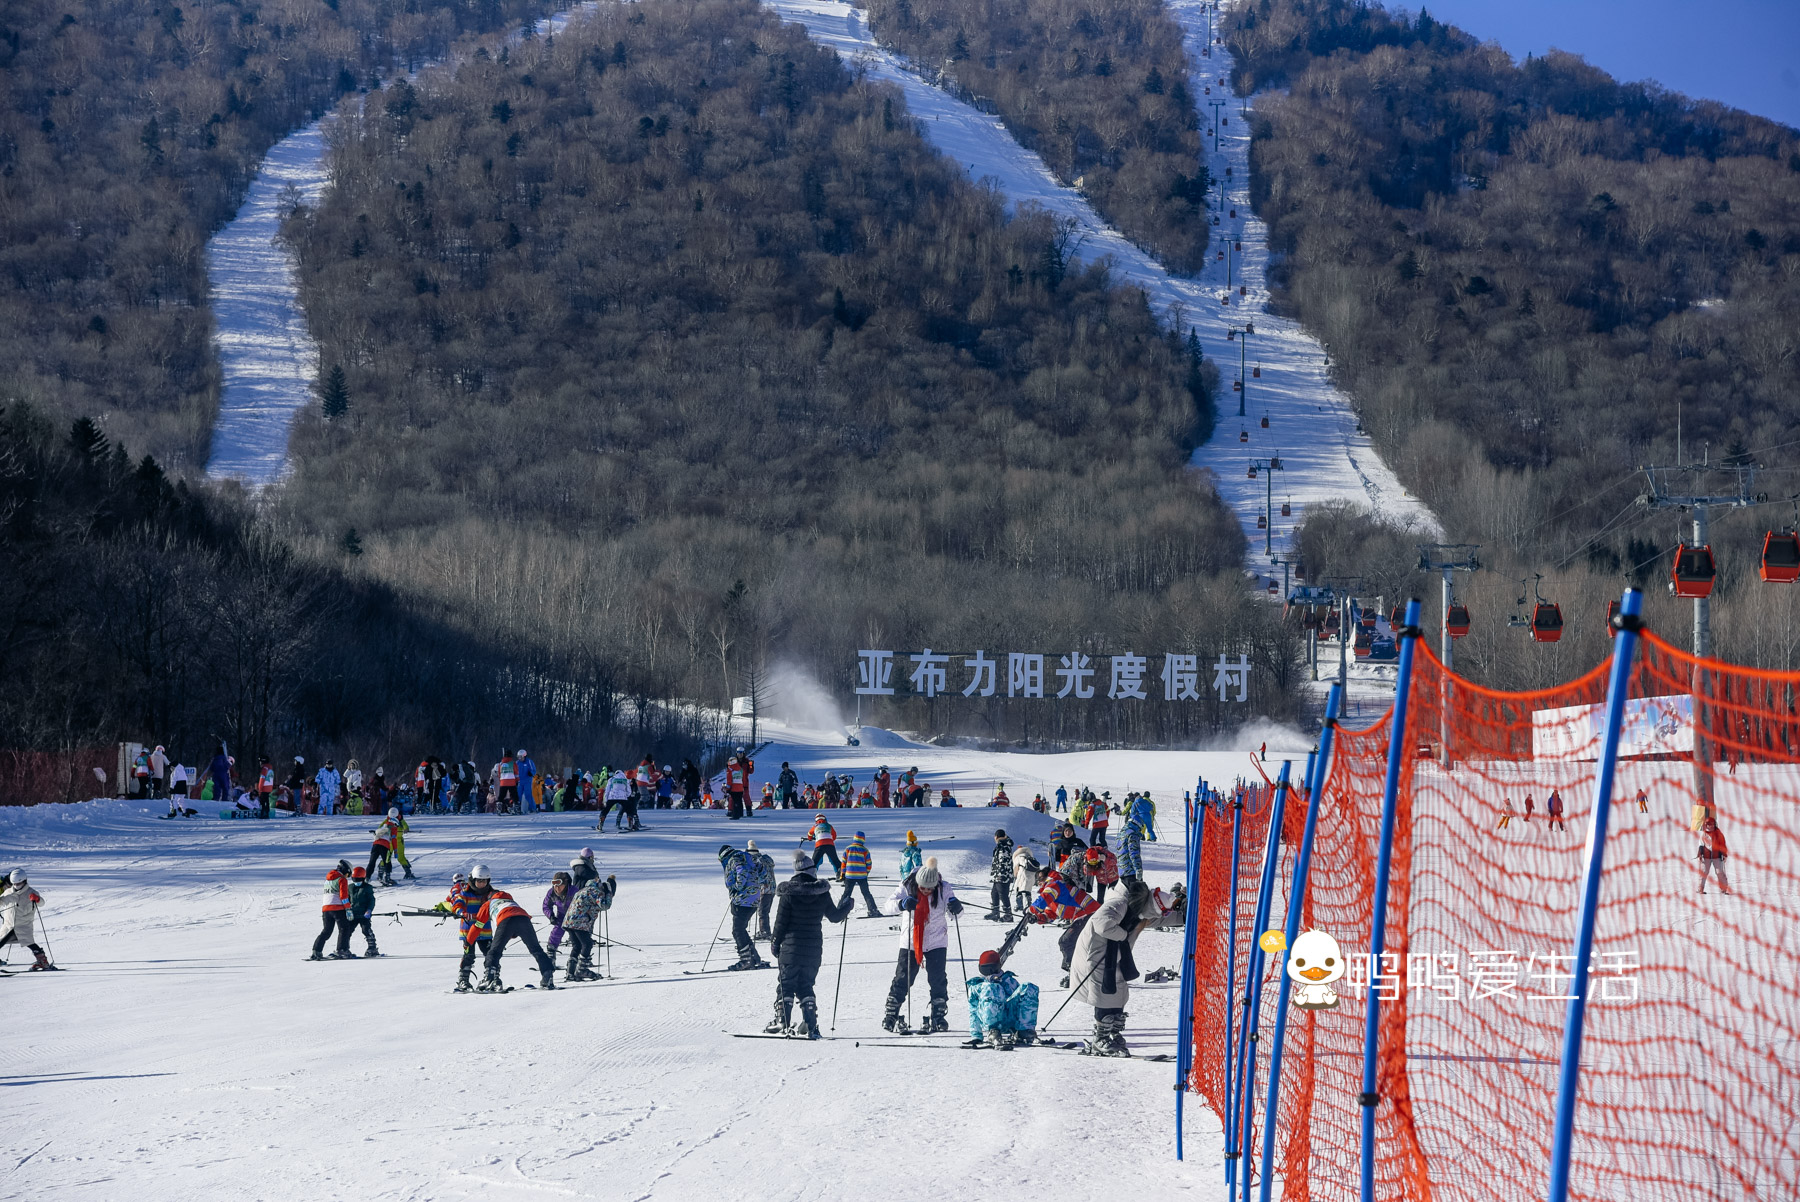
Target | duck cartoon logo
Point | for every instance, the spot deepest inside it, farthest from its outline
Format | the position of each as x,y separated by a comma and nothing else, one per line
1315,963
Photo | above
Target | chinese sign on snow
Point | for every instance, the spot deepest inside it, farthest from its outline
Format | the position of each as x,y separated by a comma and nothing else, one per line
1035,675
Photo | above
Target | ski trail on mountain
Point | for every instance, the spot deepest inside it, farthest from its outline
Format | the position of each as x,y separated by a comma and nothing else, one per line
1312,427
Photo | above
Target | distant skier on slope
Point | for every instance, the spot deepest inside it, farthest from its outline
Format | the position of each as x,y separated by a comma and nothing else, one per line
858,863
798,943
501,919
335,911
362,903
923,899
824,840
1000,879
19,904
744,889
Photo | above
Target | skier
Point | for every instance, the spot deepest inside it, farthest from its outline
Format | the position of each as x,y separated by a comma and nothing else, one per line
556,908
140,774
1643,801
1025,869
737,789
528,780
1000,879
910,856
220,772
1131,852
690,784
1062,799
353,788
765,868
336,914
1506,814
618,791
582,869
593,898
1000,798
1102,869
824,841
387,837
798,945
1145,814
362,901
19,904
1066,843
883,787
1530,807
296,784
265,786
858,863
506,772
787,786
1099,814
461,904
1002,1012
501,920
329,782
1105,954
1712,855
743,885
665,789
1059,900
1553,811
159,770
924,898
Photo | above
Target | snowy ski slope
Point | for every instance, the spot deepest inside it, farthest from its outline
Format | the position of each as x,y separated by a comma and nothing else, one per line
190,1051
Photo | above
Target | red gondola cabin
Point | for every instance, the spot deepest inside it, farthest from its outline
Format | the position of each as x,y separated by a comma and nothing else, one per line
1693,573
1546,623
1456,621
1780,557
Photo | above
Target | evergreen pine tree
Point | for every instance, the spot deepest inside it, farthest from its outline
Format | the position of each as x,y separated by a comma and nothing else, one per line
351,543
85,438
335,393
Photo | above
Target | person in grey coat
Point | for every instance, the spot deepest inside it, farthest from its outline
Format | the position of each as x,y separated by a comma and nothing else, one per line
766,864
1103,957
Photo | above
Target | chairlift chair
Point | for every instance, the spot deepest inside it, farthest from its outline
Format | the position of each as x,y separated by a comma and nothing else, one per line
1780,557
1456,621
1546,622
1693,574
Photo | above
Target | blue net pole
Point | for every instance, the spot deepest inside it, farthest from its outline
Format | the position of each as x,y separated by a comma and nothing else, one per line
1568,1082
1237,826
1184,1050
1319,769
1253,975
1384,862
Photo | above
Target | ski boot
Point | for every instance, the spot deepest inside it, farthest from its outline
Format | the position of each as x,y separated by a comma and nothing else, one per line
490,983
1064,983
343,953
782,1023
809,1019
587,968
992,916
1108,1038
371,951
896,1022
409,873
315,956
1024,1039
387,878
463,984
937,1024
547,977
42,963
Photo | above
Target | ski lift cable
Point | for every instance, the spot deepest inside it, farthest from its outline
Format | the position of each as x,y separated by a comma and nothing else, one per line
1608,527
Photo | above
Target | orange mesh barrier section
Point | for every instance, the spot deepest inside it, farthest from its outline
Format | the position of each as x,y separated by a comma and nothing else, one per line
1690,1082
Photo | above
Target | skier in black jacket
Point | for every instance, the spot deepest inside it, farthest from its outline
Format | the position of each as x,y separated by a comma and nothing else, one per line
799,944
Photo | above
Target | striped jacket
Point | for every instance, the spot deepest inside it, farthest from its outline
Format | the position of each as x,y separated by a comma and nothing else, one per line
495,909
857,861
1059,899
1131,850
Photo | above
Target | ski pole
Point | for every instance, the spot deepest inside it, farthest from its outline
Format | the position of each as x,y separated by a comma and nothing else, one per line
843,939
715,939
1070,998
38,912
606,921
962,961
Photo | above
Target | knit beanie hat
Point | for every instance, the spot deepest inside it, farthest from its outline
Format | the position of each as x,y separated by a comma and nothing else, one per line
750,846
928,877
802,862
911,838
860,835
726,851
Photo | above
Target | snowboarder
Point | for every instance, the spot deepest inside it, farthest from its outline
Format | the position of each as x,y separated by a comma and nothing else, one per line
1000,878
824,841
19,904
501,920
593,898
923,898
787,786
910,856
798,945
556,908
1102,869
1104,953
1712,855
765,867
362,901
858,863
1002,1012
744,886
336,914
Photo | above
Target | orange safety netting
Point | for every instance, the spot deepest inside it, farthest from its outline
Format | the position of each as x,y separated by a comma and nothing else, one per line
1690,1082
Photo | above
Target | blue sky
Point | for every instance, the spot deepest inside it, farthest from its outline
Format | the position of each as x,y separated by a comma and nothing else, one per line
1743,52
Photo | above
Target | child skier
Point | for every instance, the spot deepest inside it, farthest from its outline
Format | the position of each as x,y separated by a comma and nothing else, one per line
335,912
593,899
923,899
19,904
1059,900
910,856
1002,1012
744,889
1506,814
582,869
1102,869
502,920
798,944
556,908
362,901
1553,811
764,864
858,863
1025,869
824,841
387,839
1099,814
1000,879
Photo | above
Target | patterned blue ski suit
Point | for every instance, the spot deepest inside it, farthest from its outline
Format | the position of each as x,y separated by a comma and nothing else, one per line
1001,1004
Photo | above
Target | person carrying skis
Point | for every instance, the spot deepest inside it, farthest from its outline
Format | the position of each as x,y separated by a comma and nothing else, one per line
19,904
362,902
1712,855
1105,953
910,856
744,889
858,863
1060,900
824,841
923,899
556,908
1102,868
336,914
765,867
1131,852
501,920
1002,1012
737,789
1000,879
594,898
798,945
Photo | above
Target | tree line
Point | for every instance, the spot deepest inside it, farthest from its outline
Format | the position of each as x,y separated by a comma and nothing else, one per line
670,342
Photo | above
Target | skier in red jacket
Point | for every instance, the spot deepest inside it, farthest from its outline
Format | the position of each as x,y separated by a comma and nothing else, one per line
499,918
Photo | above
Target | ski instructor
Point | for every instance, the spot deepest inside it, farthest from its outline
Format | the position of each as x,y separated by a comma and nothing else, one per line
798,941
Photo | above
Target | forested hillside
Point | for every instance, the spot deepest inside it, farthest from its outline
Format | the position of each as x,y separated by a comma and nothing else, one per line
1098,91
128,133
1526,274
673,341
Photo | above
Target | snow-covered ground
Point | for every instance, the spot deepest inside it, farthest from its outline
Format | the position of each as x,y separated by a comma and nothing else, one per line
189,1050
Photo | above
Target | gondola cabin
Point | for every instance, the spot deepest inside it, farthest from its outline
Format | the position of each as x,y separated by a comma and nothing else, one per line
1365,644
1265,421
1780,557
1456,621
1612,612
1693,574
1253,471
1397,616
1274,589
1243,436
1256,374
1243,291
1287,511
1262,522
1237,386
1546,622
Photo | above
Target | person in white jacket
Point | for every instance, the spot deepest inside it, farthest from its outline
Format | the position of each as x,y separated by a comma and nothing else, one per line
618,793
925,902
18,917
1103,956
329,783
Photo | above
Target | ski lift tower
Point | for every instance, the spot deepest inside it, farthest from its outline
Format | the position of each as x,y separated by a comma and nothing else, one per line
1345,588
1448,558
1268,467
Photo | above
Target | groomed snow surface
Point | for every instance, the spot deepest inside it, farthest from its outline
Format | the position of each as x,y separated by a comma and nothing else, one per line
190,1051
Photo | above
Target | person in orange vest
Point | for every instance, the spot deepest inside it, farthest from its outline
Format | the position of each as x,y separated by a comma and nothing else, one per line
824,841
737,788
336,912
506,772
501,919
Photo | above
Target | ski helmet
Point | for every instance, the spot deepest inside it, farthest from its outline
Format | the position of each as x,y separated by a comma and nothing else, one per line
521,753
300,759
393,811
359,872
343,866
480,873
666,768
587,853
458,879
990,964
17,877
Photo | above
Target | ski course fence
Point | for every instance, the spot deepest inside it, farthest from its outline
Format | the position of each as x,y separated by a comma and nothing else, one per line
1689,1055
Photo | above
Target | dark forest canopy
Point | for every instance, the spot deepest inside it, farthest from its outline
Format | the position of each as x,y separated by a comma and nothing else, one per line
1099,91
672,341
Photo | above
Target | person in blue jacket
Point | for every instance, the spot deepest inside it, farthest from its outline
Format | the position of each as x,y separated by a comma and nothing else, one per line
220,771
527,770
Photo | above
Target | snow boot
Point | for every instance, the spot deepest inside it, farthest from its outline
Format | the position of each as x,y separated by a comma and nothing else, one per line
490,983
463,984
809,1019
547,977
783,1020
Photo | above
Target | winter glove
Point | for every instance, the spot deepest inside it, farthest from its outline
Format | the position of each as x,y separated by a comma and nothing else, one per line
910,903
955,906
